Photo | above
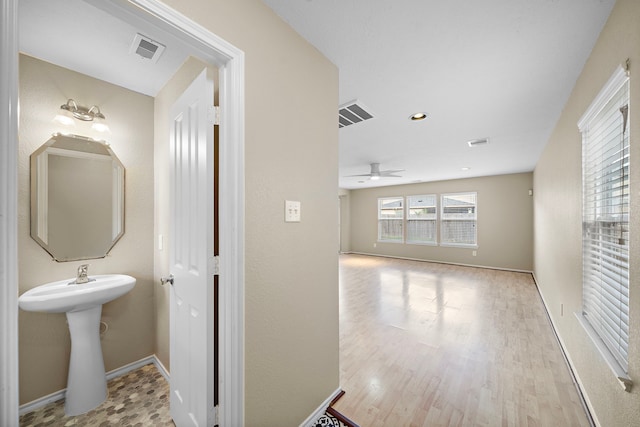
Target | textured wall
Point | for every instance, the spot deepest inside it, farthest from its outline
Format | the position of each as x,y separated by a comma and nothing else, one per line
558,239
345,220
505,218
44,338
291,153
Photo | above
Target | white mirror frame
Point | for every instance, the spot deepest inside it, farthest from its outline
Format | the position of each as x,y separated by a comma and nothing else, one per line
231,62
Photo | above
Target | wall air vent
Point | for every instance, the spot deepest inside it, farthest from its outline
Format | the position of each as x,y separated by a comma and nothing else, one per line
478,142
351,113
146,48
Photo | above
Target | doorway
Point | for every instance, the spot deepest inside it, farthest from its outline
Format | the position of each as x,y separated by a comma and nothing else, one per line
231,64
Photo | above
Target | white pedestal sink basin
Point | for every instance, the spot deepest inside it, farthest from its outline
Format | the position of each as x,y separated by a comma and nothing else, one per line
86,383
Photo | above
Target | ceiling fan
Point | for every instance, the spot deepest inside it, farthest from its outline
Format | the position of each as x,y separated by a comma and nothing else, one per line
376,173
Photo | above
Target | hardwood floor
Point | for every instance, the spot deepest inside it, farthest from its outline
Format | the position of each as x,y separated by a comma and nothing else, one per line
425,344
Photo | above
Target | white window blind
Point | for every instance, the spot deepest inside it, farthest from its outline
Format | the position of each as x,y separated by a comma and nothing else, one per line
390,219
458,219
422,217
605,216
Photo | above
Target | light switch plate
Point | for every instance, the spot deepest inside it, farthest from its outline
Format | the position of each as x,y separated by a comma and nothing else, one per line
291,211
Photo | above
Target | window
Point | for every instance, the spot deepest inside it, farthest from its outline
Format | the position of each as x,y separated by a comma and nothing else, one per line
458,219
390,219
422,217
605,218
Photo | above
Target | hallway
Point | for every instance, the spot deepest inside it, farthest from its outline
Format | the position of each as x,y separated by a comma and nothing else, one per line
425,344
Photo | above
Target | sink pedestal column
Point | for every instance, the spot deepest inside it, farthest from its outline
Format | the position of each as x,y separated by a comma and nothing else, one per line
87,382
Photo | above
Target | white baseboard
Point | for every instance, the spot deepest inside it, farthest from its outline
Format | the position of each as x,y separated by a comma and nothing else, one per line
123,370
161,368
584,398
43,401
311,419
515,270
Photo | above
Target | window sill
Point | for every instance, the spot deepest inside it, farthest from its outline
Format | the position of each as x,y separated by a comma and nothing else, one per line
625,381
458,245
423,243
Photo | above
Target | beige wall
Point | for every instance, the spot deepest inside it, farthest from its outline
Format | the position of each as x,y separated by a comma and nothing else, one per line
291,153
345,220
163,102
505,218
44,338
557,254
291,305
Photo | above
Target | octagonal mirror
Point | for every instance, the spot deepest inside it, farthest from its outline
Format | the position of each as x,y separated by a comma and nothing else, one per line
77,197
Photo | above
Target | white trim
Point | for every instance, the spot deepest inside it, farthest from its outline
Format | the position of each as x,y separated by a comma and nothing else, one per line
623,378
587,406
320,410
460,245
615,82
123,370
231,202
42,401
515,270
231,63
9,399
161,368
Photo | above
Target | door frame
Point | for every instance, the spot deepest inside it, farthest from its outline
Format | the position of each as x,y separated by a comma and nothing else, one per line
9,213
231,64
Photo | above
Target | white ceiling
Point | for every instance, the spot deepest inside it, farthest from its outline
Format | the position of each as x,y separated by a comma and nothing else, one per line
76,35
501,69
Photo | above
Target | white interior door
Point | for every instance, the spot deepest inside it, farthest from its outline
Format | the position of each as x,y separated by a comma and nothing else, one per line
192,256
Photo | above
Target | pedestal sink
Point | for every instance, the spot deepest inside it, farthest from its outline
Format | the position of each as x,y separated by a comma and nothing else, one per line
86,383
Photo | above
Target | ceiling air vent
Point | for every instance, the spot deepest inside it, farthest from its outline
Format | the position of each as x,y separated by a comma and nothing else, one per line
351,113
146,48
478,142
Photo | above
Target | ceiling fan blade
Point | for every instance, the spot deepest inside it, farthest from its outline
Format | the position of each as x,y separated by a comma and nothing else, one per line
377,173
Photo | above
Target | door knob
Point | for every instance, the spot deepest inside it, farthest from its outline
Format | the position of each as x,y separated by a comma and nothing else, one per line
167,279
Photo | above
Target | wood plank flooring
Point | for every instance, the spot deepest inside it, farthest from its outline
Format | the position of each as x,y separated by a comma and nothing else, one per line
426,344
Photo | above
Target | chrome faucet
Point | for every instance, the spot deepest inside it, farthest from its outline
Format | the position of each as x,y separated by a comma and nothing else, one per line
82,276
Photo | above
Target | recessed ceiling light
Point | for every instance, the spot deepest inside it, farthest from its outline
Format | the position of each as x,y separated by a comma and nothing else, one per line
418,116
466,168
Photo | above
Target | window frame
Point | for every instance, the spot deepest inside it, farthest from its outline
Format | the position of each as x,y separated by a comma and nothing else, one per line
597,312
443,219
435,220
381,218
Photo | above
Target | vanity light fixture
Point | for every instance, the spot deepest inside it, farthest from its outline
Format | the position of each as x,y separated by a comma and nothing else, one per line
99,125
71,110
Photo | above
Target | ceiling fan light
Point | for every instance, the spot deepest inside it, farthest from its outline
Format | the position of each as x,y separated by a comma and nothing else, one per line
374,178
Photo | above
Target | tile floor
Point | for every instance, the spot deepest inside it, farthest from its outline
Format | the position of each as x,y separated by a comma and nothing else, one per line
138,399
